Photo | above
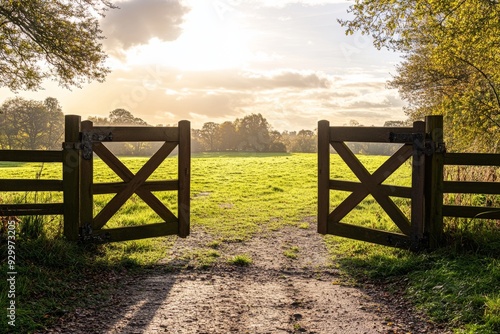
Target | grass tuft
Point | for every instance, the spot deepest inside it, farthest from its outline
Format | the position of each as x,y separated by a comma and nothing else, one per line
292,252
241,260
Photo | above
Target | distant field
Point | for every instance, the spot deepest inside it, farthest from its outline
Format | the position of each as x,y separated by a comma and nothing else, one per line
234,194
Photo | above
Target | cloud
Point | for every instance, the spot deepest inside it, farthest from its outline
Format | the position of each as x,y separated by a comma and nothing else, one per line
254,80
137,21
289,99
283,3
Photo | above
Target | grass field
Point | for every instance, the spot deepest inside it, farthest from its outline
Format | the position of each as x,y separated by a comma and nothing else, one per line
234,196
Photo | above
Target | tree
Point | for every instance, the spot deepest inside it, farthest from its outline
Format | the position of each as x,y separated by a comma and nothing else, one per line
124,117
305,141
30,124
210,135
64,35
396,124
55,129
451,60
228,136
253,132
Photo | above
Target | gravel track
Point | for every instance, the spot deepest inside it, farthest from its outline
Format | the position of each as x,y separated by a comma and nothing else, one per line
275,294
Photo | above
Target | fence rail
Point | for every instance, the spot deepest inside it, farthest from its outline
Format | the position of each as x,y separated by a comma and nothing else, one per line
31,156
17,185
471,187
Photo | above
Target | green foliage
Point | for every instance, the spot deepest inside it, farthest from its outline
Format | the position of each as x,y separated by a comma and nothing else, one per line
451,61
41,39
251,133
30,124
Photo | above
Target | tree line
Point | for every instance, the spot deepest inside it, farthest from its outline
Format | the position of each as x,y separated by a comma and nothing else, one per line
39,125
252,133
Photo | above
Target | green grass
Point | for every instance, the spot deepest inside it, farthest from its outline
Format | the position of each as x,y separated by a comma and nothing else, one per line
235,196
241,260
292,252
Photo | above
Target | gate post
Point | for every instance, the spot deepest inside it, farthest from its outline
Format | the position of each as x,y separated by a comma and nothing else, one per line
71,176
323,176
184,175
87,176
418,187
434,181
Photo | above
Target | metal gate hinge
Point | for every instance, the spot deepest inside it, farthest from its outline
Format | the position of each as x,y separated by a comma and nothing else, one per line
87,235
88,138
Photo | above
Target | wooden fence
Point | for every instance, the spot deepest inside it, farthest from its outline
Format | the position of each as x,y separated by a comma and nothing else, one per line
31,185
424,144
471,187
82,140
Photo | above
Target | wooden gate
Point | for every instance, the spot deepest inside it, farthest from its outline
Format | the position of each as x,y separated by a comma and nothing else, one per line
413,232
83,140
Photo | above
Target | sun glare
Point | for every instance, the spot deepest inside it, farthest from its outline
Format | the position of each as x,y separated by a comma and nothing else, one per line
209,41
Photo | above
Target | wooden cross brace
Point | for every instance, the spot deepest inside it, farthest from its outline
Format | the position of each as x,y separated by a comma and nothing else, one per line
134,182
371,184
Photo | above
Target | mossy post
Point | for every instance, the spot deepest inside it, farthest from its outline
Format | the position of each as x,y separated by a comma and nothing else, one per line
71,176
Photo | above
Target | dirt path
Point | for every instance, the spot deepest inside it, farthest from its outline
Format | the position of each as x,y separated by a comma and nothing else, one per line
275,294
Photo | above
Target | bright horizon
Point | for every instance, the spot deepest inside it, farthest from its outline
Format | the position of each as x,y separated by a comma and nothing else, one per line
218,60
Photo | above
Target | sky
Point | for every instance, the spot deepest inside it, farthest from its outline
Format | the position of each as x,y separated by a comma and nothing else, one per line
218,60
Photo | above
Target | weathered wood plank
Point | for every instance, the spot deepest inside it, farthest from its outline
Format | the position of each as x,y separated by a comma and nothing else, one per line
382,173
184,175
31,156
86,181
434,183
71,178
371,182
115,187
126,175
323,175
31,185
365,134
389,190
136,232
464,187
31,209
146,170
139,133
417,189
369,235
472,159
471,212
